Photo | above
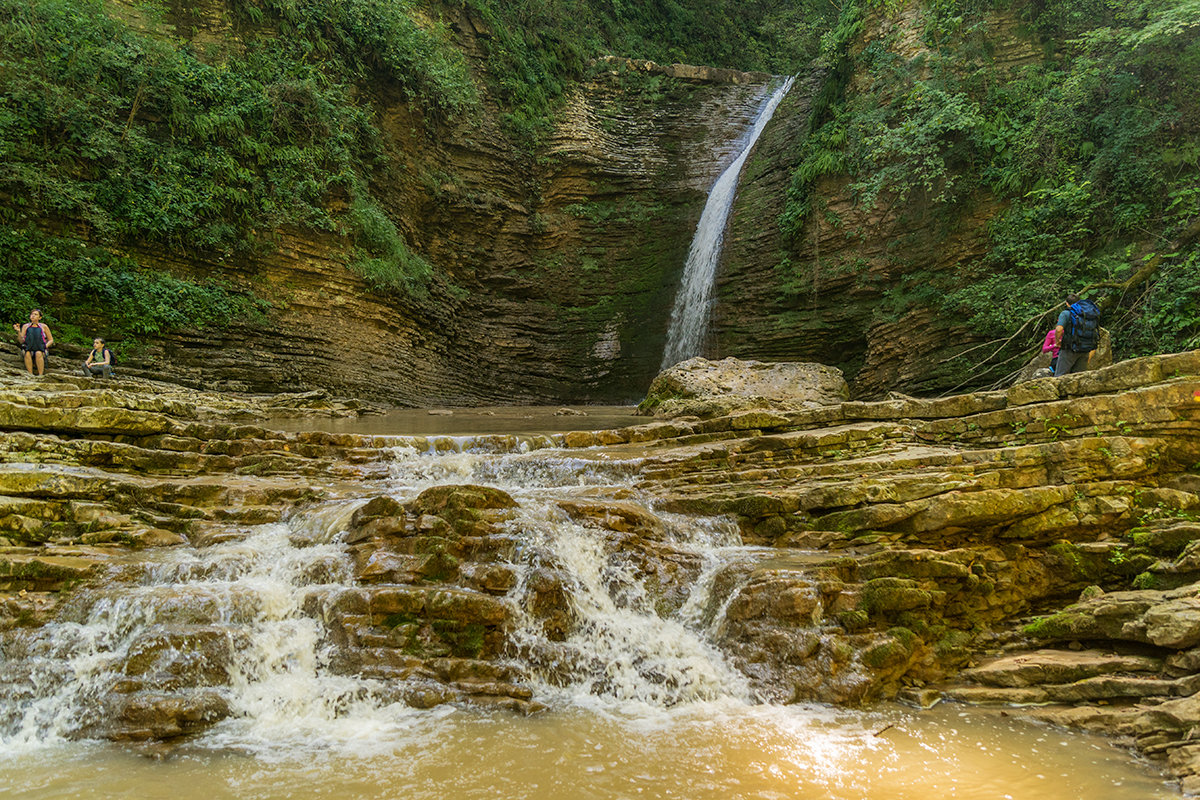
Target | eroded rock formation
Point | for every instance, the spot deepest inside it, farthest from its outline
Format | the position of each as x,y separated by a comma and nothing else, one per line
703,388
556,265
910,543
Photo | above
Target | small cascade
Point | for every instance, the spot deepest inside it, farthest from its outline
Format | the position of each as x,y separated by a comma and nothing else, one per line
693,303
628,641
241,630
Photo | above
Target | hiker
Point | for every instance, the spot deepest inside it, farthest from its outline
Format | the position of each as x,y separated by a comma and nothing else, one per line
35,340
1077,335
99,361
1050,345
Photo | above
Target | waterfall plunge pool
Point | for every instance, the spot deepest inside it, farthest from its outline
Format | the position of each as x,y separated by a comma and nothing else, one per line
720,750
467,421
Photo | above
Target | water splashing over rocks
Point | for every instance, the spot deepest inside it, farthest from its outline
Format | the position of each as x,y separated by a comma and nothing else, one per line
243,590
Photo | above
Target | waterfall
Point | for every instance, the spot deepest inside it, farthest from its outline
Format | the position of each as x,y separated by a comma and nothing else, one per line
254,599
693,303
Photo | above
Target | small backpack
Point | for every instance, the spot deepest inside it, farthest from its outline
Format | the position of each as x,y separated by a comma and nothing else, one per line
112,358
1083,334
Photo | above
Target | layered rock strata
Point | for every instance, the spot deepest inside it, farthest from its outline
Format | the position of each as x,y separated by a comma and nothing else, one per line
900,542
845,289
556,262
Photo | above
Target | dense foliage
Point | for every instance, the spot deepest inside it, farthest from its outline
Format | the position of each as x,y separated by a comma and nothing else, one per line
97,293
143,142
1092,146
119,135
538,47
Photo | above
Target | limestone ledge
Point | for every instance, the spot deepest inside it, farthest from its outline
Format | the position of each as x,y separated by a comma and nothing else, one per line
914,538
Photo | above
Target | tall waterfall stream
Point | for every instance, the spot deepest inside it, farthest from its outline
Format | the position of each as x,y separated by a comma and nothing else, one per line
693,303
640,700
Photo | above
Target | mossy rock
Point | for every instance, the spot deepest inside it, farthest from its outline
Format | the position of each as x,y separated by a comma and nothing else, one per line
465,640
382,506
893,596
854,619
1063,625
443,501
894,650
1166,541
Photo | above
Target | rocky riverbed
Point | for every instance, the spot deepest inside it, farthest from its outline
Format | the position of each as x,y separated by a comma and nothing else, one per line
1030,547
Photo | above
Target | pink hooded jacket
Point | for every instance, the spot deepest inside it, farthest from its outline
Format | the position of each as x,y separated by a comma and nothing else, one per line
1050,345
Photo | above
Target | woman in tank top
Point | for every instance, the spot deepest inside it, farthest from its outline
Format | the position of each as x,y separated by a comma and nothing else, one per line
35,339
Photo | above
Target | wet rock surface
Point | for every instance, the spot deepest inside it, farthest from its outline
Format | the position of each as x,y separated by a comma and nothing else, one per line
1033,548
704,388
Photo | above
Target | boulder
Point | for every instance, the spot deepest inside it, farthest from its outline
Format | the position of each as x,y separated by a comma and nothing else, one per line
704,388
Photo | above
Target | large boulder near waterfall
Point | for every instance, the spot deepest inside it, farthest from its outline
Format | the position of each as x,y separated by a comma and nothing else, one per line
704,388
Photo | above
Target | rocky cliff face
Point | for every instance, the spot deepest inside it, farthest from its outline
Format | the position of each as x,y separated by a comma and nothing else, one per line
819,295
558,265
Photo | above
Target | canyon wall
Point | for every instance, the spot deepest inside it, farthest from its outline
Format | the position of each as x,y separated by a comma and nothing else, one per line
818,295
556,267
556,257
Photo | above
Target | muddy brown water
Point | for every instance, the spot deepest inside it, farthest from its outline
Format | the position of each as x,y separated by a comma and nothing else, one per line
302,733
469,421
720,751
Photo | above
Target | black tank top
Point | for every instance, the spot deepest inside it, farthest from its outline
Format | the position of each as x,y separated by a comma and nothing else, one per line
34,340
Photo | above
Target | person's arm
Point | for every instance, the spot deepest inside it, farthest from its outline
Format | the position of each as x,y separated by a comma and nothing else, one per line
20,329
107,357
1058,335
89,362
49,335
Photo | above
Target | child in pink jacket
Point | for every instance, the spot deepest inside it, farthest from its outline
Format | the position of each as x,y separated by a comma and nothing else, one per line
1050,345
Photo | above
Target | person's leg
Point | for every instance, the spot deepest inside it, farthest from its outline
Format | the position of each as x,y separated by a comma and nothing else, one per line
1081,362
40,356
106,370
29,361
1066,361
85,369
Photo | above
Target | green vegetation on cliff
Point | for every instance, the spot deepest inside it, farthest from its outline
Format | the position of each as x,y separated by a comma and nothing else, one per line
117,135
537,48
157,131
1087,138
112,294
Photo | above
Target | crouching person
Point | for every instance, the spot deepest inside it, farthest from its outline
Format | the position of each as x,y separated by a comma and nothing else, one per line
99,361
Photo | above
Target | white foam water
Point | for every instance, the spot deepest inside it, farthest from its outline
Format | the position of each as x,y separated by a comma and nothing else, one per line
641,701
693,303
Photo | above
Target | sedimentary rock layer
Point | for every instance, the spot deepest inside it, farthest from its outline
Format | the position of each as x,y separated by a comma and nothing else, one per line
911,540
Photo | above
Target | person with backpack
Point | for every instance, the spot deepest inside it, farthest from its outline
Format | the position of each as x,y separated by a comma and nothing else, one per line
35,340
1077,334
100,361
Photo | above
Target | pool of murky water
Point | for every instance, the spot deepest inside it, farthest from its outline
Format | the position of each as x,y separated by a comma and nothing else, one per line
719,750
465,421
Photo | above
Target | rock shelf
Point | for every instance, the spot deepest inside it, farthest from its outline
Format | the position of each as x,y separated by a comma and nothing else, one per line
1034,548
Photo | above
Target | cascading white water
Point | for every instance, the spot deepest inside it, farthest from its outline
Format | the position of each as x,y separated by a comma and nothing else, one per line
251,590
642,703
621,649
693,303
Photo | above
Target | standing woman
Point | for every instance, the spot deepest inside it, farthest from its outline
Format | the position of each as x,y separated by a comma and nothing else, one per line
35,339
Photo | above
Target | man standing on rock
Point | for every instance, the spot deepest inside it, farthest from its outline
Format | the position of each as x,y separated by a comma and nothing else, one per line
35,339
1077,334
